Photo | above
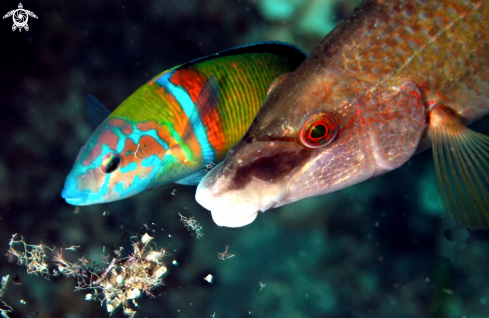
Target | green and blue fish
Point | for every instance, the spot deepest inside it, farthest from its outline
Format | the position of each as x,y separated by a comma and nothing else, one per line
181,121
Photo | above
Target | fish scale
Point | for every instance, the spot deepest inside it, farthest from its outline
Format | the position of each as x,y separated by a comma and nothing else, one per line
381,78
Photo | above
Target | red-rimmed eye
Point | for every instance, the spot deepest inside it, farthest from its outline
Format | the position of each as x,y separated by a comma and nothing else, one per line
318,131
110,163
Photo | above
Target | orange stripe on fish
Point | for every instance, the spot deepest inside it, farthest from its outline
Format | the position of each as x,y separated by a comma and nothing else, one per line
190,80
123,125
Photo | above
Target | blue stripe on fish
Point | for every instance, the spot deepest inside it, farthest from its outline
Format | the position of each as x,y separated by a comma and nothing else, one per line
188,107
130,167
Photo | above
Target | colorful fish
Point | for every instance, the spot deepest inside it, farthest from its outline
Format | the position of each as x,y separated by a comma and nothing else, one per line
393,79
178,123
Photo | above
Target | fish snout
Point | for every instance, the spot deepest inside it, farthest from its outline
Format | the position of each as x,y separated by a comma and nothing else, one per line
72,195
233,206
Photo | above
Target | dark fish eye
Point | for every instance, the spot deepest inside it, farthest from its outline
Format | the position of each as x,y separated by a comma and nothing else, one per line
318,131
110,163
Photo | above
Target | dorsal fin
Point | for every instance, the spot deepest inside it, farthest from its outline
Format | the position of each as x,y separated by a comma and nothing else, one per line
95,111
295,55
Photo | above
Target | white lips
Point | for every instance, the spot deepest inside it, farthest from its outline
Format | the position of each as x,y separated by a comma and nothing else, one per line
236,207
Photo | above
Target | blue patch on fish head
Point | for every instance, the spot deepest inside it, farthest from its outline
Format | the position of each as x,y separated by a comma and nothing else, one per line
117,162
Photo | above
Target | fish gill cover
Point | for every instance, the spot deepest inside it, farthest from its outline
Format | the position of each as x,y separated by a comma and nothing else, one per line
383,248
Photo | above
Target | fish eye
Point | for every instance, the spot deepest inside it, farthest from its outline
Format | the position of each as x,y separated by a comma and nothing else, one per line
318,131
110,163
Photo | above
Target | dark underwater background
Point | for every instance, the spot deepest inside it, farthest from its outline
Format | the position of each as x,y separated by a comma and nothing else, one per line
383,248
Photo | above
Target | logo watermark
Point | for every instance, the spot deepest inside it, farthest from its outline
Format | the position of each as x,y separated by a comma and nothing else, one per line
20,17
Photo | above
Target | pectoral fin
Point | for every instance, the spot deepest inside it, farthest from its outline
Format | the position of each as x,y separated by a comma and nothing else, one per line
462,167
193,179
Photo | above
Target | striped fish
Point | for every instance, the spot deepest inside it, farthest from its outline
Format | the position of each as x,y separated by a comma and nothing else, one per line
173,127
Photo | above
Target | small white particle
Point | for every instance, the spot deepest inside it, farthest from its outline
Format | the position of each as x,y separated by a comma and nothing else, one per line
119,279
209,278
146,238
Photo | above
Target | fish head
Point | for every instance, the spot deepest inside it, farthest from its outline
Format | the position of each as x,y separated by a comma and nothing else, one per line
308,139
299,145
119,160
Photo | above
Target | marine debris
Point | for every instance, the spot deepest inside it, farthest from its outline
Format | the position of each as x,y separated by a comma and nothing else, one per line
120,283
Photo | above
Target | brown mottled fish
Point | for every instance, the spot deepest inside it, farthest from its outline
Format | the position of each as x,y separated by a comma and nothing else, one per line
391,80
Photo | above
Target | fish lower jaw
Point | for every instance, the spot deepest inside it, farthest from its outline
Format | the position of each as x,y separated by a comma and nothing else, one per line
76,201
237,208
234,218
229,210
74,198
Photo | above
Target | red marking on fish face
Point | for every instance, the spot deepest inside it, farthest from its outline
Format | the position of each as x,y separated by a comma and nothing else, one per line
350,123
148,146
93,154
127,154
94,179
122,124
359,113
106,137
163,131
146,126
132,153
189,79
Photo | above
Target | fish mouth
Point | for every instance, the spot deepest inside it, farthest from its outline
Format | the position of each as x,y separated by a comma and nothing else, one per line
73,196
231,207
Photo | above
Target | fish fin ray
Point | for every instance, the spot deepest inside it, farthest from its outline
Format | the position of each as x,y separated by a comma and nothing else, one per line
462,167
193,179
95,111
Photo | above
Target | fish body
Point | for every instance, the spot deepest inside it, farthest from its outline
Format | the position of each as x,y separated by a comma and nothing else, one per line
175,125
393,79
